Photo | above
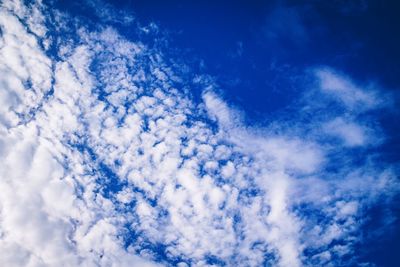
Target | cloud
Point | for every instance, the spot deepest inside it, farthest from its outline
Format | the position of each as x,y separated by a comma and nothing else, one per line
107,161
345,91
108,13
351,133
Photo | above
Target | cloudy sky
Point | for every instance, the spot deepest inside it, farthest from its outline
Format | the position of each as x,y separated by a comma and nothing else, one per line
180,133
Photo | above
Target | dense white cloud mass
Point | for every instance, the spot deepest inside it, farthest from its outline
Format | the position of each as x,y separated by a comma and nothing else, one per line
107,160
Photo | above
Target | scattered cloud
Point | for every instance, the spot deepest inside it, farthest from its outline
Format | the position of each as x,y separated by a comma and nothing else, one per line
107,160
351,95
351,133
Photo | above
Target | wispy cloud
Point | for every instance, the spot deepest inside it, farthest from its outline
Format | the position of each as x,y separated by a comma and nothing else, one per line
346,91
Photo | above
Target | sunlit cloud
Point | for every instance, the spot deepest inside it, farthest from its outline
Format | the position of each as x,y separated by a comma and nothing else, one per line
107,159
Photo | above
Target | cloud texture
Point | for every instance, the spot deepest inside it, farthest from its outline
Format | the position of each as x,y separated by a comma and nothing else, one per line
107,159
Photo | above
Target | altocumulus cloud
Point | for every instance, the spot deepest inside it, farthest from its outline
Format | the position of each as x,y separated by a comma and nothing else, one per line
108,160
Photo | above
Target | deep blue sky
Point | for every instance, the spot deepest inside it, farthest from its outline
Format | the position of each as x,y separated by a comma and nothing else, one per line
251,45
256,49
259,51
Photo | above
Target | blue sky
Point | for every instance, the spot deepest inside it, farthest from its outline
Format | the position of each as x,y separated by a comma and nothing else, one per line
184,133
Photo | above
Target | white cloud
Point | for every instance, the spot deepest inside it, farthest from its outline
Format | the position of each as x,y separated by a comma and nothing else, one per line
346,90
351,133
115,167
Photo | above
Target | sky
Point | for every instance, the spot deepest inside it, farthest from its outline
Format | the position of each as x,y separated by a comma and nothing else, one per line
186,133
